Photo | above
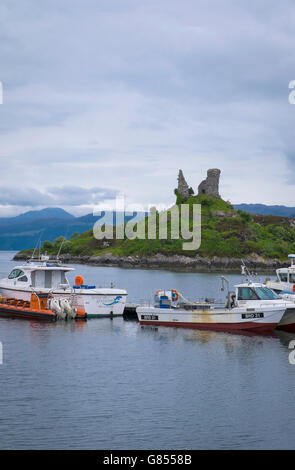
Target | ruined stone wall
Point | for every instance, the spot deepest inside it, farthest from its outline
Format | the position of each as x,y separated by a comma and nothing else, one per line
183,187
210,185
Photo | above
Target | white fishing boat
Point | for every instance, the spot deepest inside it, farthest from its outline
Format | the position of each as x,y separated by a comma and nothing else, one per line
284,286
285,281
251,307
44,276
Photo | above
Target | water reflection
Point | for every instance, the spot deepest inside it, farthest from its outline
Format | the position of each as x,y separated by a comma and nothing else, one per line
285,337
111,383
205,335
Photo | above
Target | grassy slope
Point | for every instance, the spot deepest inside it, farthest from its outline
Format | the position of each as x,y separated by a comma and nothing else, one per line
234,235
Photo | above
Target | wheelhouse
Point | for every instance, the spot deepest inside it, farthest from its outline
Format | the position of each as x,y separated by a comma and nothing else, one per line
255,292
286,275
40,277
49,279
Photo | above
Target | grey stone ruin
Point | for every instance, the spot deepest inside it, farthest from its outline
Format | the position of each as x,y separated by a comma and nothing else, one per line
183,187
211,184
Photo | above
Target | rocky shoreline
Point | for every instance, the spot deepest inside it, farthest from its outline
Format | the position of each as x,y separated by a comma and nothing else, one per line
176,262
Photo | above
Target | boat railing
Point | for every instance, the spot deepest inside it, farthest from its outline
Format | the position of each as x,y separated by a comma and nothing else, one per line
43,259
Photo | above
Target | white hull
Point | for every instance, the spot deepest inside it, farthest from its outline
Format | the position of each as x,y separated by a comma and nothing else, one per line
95,302
288,321
285,290
237,318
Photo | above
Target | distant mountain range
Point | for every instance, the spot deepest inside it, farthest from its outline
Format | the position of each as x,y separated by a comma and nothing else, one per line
24,231
32,216
262,209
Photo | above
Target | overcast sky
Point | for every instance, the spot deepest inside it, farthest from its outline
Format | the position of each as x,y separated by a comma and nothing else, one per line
114,96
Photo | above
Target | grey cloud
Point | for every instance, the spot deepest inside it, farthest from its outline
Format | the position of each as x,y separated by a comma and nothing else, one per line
76,196
53,196
105,88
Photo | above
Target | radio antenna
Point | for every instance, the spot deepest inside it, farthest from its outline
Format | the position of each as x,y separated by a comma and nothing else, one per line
37,244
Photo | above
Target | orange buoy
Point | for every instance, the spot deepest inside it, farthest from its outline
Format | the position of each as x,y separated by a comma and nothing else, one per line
81,313
79,280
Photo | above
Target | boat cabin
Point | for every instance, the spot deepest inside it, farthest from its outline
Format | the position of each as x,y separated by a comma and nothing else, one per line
254,291
285,281
286,275
39,277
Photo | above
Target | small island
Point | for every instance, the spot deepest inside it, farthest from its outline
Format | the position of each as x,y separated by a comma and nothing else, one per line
228,235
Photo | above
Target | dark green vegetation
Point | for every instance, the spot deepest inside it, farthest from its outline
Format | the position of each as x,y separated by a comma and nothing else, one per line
225,233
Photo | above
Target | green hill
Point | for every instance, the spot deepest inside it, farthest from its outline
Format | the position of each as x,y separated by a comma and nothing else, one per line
226,232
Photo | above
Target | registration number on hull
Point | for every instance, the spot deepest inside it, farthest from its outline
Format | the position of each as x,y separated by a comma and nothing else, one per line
149,317
252,315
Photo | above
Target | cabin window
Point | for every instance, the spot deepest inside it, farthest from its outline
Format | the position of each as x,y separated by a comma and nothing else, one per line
247,293
48,279
283,277
23,279
15,273
292,278
63,278
265,293
39,279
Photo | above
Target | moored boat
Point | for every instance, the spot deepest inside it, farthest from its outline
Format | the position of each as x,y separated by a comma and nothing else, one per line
22,309
251,307
284,286
44,276
40,307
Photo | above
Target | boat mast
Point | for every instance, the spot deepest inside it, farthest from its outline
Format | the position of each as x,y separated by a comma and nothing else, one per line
224,280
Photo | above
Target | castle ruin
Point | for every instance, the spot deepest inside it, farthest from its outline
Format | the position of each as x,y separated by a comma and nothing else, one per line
211,184
183,187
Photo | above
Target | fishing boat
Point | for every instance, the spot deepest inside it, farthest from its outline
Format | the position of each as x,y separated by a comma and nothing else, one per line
284,283
252,306
45,276
284,286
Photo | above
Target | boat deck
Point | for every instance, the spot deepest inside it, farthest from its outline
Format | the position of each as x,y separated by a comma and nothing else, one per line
10,307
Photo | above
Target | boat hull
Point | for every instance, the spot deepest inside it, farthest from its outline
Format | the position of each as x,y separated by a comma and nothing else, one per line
261,321
264,327
287,322
108,303
11,312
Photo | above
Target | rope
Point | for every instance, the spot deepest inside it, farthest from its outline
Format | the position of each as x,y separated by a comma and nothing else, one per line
186,300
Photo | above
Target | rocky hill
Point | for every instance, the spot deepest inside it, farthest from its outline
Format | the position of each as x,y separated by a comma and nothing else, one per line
227,236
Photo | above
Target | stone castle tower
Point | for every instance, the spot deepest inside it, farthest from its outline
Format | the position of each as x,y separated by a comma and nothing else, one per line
211,184
183,187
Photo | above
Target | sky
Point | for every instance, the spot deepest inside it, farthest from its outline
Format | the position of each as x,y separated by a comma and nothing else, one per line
108,97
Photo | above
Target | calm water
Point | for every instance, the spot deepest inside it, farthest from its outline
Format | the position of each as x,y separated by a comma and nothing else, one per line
111,384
